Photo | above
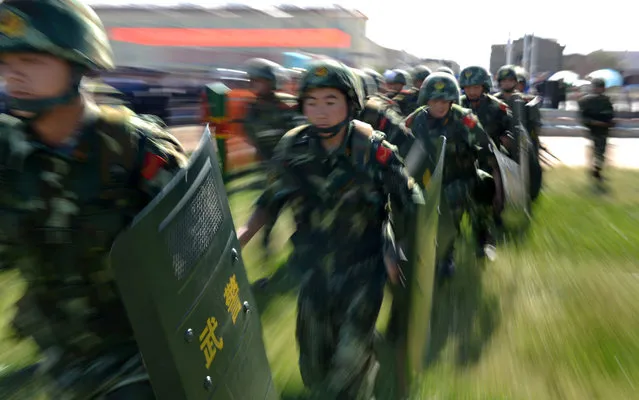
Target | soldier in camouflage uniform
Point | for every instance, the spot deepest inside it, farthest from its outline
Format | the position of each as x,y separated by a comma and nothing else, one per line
272,113
597,115
382,113
377,77
528,115
73,175
496,118
337,175
466,148
533,103
407,99
270,116
395,82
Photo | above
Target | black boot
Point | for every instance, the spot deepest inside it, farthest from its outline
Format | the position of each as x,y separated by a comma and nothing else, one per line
446,267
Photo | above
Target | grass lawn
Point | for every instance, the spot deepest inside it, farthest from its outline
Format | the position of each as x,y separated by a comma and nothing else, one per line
555,317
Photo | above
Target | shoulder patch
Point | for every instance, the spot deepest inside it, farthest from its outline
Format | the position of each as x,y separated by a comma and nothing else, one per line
470,120
503,106
383,154
153,163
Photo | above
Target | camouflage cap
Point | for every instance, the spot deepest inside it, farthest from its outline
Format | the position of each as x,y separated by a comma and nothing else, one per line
68,29
439,86
379,79
399,76
506,72
369,86
421,72
522,75
260,68
445,70
335,75
474,75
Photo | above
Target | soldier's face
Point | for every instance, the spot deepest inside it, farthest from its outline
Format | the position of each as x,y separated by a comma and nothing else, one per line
34,76
438,108
395,87
507,84
325,107
260,87
418,84
473,92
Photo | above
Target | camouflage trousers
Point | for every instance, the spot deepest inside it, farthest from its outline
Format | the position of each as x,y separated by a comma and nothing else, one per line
460,197
336,328
600,143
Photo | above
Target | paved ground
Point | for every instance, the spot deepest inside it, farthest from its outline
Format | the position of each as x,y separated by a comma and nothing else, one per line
572,151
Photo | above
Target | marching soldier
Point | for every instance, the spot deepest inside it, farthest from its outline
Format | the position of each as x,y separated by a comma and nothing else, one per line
597,115
395,82
467,147
272,113
73,177
337,174
382,113
377,77
407,99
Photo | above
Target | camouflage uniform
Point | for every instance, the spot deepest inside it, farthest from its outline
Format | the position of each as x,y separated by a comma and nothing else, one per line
63,207
597,108
339,201
495,116
270,115
467,145
382,113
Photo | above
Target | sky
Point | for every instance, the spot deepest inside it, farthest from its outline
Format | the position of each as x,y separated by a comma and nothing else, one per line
464,30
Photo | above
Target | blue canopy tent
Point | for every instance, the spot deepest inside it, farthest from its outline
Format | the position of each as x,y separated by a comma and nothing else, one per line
611,77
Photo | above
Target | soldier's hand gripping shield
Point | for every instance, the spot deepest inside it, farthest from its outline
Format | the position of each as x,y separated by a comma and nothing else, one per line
414,303
183,283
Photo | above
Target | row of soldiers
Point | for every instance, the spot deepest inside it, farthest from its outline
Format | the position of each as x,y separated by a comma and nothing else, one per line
354,170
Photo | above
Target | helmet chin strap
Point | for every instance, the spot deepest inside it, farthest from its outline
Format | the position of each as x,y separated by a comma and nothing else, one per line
331,131
39,107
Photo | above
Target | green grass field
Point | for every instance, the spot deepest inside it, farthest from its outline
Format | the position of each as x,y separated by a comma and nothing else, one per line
555,317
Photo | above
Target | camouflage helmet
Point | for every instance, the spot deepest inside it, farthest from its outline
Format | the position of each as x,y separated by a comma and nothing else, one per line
522,75
335,75
369,86
399,76
445,70
260,68
68,29
439,86
377,77
421,72
475,75
506,72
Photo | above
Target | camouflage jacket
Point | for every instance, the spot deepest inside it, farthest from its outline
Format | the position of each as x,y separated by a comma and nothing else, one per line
60,212
495,116
384,115
267,120
596,107
467,142
340,199
407,100
531,114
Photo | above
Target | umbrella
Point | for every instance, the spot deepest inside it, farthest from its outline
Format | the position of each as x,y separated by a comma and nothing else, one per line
580,83
567,76
610,77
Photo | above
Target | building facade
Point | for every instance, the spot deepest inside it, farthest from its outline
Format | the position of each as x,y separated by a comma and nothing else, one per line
547,57
196,37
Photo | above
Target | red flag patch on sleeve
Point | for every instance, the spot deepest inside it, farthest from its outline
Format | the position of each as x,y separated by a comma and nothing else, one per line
503,107
383,154
409,121
152,165
470,121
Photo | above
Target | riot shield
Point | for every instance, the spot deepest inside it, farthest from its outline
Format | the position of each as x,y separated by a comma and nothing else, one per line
415,301
182,280
535,170
515,195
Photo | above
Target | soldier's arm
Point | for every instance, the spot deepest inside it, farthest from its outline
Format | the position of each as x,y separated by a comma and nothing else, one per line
397,131
161,157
